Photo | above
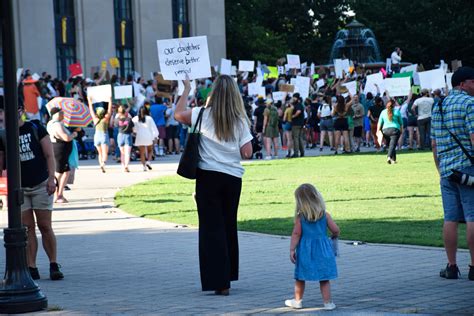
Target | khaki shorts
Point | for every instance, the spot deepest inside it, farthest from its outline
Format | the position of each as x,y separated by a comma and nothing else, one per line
37,198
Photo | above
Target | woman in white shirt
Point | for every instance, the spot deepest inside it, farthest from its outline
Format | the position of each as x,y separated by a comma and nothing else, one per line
326,124
225,140
146,132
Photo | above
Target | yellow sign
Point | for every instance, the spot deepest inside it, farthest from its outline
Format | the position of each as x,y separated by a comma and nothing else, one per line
114,62
103,65
273,72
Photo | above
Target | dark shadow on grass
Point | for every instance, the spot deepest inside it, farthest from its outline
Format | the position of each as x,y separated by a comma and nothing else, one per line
162,201
381,230
412,196
167,212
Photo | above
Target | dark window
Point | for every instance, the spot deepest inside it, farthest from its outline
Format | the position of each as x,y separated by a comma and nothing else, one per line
65,28
124,36
180,18
1,55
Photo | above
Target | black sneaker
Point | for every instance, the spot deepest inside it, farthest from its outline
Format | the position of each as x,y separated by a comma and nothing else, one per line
451,272
471,273
54,272
34,273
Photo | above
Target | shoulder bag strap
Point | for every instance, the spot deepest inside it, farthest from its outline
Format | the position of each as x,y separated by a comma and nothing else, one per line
464,150
198,121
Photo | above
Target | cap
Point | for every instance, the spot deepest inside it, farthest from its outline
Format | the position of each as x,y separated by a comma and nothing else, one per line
54,111
461,75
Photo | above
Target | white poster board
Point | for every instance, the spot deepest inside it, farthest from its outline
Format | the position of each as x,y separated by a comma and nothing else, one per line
413,68
246,65
303,68
311,70
398,87
181,87
100,93
233,71
293,61
226,66
278,96
281,70
302,85
253,88
35,76
320,83
262,92
123,92
184,56
351,87
346,66
372,80
449,76
339,67
432,79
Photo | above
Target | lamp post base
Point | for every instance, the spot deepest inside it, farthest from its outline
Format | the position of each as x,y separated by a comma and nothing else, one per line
18,292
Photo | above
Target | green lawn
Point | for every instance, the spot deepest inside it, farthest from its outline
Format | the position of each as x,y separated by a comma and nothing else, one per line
370,200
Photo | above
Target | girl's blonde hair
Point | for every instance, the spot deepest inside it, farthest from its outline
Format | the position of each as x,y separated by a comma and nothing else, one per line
227,108
309,202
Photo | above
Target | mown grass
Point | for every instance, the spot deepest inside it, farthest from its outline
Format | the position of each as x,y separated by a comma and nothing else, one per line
370,200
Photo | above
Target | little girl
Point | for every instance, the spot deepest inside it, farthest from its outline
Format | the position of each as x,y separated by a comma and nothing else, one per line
310,248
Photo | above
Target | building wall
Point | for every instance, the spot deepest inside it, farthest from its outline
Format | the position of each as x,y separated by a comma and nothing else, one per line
34,35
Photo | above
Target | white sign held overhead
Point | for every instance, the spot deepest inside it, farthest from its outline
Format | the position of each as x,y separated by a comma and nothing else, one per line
449,76
253,88
233,71
281,70
351,87
262,92
432,79
372,80
413,68
181,87
398,87
278,96
35,76
338,69
100,93
320,83
311,70
293,61
304,66
346,66
226,67
184,56
246,65
302,85
123,92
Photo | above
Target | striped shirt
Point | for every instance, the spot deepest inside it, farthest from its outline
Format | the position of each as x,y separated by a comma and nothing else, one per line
458,111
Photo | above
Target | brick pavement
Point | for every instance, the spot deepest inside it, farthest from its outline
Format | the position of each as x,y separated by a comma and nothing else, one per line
119,264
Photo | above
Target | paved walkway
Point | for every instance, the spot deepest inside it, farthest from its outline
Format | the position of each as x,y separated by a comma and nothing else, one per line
116,263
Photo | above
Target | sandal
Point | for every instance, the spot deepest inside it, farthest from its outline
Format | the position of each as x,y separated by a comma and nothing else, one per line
61,200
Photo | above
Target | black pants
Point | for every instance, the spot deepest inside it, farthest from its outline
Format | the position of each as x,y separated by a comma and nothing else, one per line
424,128
217,198
391,136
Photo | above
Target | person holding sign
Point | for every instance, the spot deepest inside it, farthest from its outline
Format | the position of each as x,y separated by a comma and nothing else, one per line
101,119
225,140
391,125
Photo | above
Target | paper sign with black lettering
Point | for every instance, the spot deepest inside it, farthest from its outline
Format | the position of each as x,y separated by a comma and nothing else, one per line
278,96
293,61
100,93
398,87
246,65
184,56
226,66
123,92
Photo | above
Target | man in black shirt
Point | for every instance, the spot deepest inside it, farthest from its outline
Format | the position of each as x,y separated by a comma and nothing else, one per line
38,184
297,122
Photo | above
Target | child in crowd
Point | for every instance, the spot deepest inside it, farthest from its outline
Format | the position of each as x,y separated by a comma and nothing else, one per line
310,249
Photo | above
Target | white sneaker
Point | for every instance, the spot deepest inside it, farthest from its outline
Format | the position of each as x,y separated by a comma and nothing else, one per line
294,303
268,157
329,306
144,168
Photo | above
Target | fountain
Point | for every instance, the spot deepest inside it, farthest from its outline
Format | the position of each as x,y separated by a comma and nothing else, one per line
356,43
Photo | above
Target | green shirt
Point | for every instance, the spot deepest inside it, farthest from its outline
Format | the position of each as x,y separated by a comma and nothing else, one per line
396,121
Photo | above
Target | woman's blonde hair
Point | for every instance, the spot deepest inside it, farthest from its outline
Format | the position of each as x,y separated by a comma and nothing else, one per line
227,108
309,202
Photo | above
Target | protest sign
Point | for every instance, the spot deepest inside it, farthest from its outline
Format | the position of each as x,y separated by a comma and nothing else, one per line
311,69
338,68
35,76
372,80
184,56
455,64
233,71
415,89
281,70
443,65
278,96
100,93
273,72
287,87
398,87
76,70
19,72
123,92
432,79
449,76
413,68
403,74
114,62
303,68
351,87
320,83
226,66
246,65
103,65
315,76
163,87
302,85
181,87
346,66
253,88
262,92
293,61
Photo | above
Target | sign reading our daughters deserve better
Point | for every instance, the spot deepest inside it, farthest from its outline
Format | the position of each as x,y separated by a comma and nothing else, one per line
184,56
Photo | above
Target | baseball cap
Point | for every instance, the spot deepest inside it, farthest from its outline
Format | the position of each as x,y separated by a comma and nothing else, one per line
461,75
54,111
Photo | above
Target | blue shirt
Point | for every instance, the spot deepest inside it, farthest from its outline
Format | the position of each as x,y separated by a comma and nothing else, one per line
458,111
396,121
157,112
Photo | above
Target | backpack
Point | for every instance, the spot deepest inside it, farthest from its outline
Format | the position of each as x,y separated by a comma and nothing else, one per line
273,116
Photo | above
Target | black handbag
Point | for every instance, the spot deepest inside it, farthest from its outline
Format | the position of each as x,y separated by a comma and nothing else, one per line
189,159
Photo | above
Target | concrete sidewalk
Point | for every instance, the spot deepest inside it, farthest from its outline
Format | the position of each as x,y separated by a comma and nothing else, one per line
115,263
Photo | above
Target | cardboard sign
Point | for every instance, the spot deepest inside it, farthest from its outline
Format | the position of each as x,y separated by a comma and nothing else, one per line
114,62
455,64
449,76
293,61
398,87
184,56
100,93
123,92
432,79
226,66
372,80
278,96
287,88
351,87
181,87
246,65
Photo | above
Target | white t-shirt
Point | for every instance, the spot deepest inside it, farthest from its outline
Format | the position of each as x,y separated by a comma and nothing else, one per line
216,155
325,110
424,105
395,58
